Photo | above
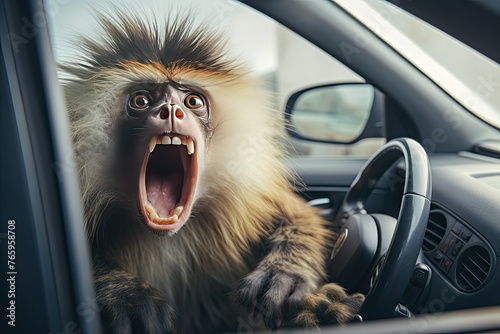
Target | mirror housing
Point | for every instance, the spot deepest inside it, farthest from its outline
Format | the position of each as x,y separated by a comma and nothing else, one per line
341,113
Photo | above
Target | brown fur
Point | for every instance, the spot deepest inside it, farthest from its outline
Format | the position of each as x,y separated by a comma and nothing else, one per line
250,239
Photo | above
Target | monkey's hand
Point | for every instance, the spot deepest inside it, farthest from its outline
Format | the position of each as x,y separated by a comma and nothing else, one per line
129,304
327,306
274,291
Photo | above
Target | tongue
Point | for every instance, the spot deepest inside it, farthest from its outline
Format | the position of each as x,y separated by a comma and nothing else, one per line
165,179
164,192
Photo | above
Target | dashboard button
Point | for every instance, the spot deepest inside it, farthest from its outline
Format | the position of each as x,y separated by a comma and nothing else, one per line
457,228
446,265
447,245
438,257
457,247
466,234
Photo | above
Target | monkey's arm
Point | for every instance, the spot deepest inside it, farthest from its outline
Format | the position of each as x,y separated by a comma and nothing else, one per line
285,286
129,304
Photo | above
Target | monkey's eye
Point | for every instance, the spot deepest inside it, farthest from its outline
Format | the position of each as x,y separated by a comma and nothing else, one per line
194,101
140,101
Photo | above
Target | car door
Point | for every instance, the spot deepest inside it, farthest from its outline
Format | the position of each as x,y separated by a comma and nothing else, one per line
46,282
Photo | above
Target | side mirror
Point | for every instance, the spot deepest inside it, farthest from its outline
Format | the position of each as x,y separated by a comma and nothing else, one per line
336,113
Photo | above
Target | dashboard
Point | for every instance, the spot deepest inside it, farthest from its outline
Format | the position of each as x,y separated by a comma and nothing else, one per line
462,239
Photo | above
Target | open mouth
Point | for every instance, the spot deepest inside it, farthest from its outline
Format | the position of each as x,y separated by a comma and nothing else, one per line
167,181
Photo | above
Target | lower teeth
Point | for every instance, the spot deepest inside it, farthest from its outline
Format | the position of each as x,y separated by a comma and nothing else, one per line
161,220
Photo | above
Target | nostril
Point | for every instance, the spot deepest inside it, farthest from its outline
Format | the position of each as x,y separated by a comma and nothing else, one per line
164,113
179,114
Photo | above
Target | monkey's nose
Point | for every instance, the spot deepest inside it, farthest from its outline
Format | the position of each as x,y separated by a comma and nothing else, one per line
176,111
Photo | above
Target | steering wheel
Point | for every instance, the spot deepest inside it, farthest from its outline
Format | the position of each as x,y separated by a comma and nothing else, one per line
375,250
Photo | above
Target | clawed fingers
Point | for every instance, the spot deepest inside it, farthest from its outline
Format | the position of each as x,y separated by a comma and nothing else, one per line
329,305
275,295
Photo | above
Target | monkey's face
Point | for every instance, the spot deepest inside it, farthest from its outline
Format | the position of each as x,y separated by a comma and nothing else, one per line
164,133
166,125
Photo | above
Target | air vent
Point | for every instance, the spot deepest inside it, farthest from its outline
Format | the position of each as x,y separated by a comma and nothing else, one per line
436,228
473,268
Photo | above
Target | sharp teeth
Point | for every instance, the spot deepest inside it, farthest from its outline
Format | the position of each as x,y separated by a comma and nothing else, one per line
190,146
166,140
178,210
174,218
176,141
152,144
149,208
153,216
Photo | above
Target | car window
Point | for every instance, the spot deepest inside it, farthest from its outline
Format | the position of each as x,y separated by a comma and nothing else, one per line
286,62
467,75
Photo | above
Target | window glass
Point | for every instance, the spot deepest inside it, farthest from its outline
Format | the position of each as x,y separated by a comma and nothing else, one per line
285,61
467,75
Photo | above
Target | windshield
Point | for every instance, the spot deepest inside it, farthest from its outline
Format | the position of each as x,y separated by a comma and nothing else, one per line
467,75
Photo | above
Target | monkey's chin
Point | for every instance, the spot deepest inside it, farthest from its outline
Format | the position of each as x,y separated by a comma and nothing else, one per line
167,182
